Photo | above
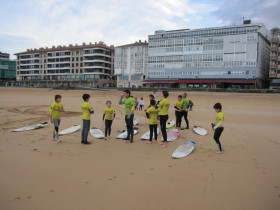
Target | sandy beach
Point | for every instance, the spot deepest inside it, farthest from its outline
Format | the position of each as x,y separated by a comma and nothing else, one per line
38,173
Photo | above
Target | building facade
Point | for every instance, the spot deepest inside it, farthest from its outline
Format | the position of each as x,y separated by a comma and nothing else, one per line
86,62
231,56
130,64
7,67
274,72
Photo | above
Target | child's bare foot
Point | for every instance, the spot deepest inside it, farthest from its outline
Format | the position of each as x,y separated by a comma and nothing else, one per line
149,142
58,141
105,138
219,152
163,145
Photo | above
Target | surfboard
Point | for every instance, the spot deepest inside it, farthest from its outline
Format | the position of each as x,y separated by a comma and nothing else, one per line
72,129
184,150
135,121
170,123
146,136
172,135
199,130
32,127
96,133
123,135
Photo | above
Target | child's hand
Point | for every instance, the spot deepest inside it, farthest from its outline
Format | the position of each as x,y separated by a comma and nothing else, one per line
59,109
51,120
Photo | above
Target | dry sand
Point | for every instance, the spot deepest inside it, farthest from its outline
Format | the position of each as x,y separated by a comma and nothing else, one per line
38,173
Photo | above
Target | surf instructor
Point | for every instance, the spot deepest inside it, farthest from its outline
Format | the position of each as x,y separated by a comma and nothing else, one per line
129,113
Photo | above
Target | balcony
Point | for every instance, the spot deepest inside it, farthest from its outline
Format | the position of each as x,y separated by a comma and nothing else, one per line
273,57
273,66
274,74
274,39
273,48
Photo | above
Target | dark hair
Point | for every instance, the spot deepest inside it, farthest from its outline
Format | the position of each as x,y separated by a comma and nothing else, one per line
127,91
86,96
108,102
179,96
151,95
185,94
57,97
218,106
141,98
165,93
152,102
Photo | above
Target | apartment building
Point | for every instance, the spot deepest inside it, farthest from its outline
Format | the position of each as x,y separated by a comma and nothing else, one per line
274,72
230,56
7,67
90,62
131,61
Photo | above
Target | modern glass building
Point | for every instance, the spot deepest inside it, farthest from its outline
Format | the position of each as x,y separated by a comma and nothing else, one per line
230,56
7,67
73,62
130,64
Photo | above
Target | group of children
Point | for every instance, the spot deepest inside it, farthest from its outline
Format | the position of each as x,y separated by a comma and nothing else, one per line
157,110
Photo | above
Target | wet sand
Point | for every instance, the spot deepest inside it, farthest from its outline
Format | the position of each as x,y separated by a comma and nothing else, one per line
38,173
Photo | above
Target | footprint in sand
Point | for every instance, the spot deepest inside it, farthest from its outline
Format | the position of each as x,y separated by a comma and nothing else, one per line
86,182
29,197
151,169
51,190
17,198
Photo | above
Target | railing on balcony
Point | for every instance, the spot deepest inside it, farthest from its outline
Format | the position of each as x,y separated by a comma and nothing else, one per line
272,74
273,48
273,57
273,66
274,39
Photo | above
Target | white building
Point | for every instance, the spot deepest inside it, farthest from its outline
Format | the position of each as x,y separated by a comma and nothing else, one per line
227,56
130,64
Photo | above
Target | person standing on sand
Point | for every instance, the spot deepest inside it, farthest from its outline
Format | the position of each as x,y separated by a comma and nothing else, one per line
55,116
87,111
178,112
109,116
163,105
218,127
152,115
185,108
129,113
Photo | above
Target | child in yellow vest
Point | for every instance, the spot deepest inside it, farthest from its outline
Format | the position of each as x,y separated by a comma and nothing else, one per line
55,116
152,113
178,111
218,127
109,116
87,111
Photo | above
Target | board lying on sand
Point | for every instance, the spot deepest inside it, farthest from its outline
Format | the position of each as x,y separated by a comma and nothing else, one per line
172,135
184,150
32,127
96,133
170,123
199,130
72,129
146,136
123,135
135,121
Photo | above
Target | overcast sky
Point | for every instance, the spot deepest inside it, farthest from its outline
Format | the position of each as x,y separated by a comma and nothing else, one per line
28,24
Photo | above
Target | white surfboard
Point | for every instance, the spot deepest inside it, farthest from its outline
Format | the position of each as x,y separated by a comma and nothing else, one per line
199,130
32,127
146,136
72,129
170,123
184,150
135,121
123,135
96,133
172,135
